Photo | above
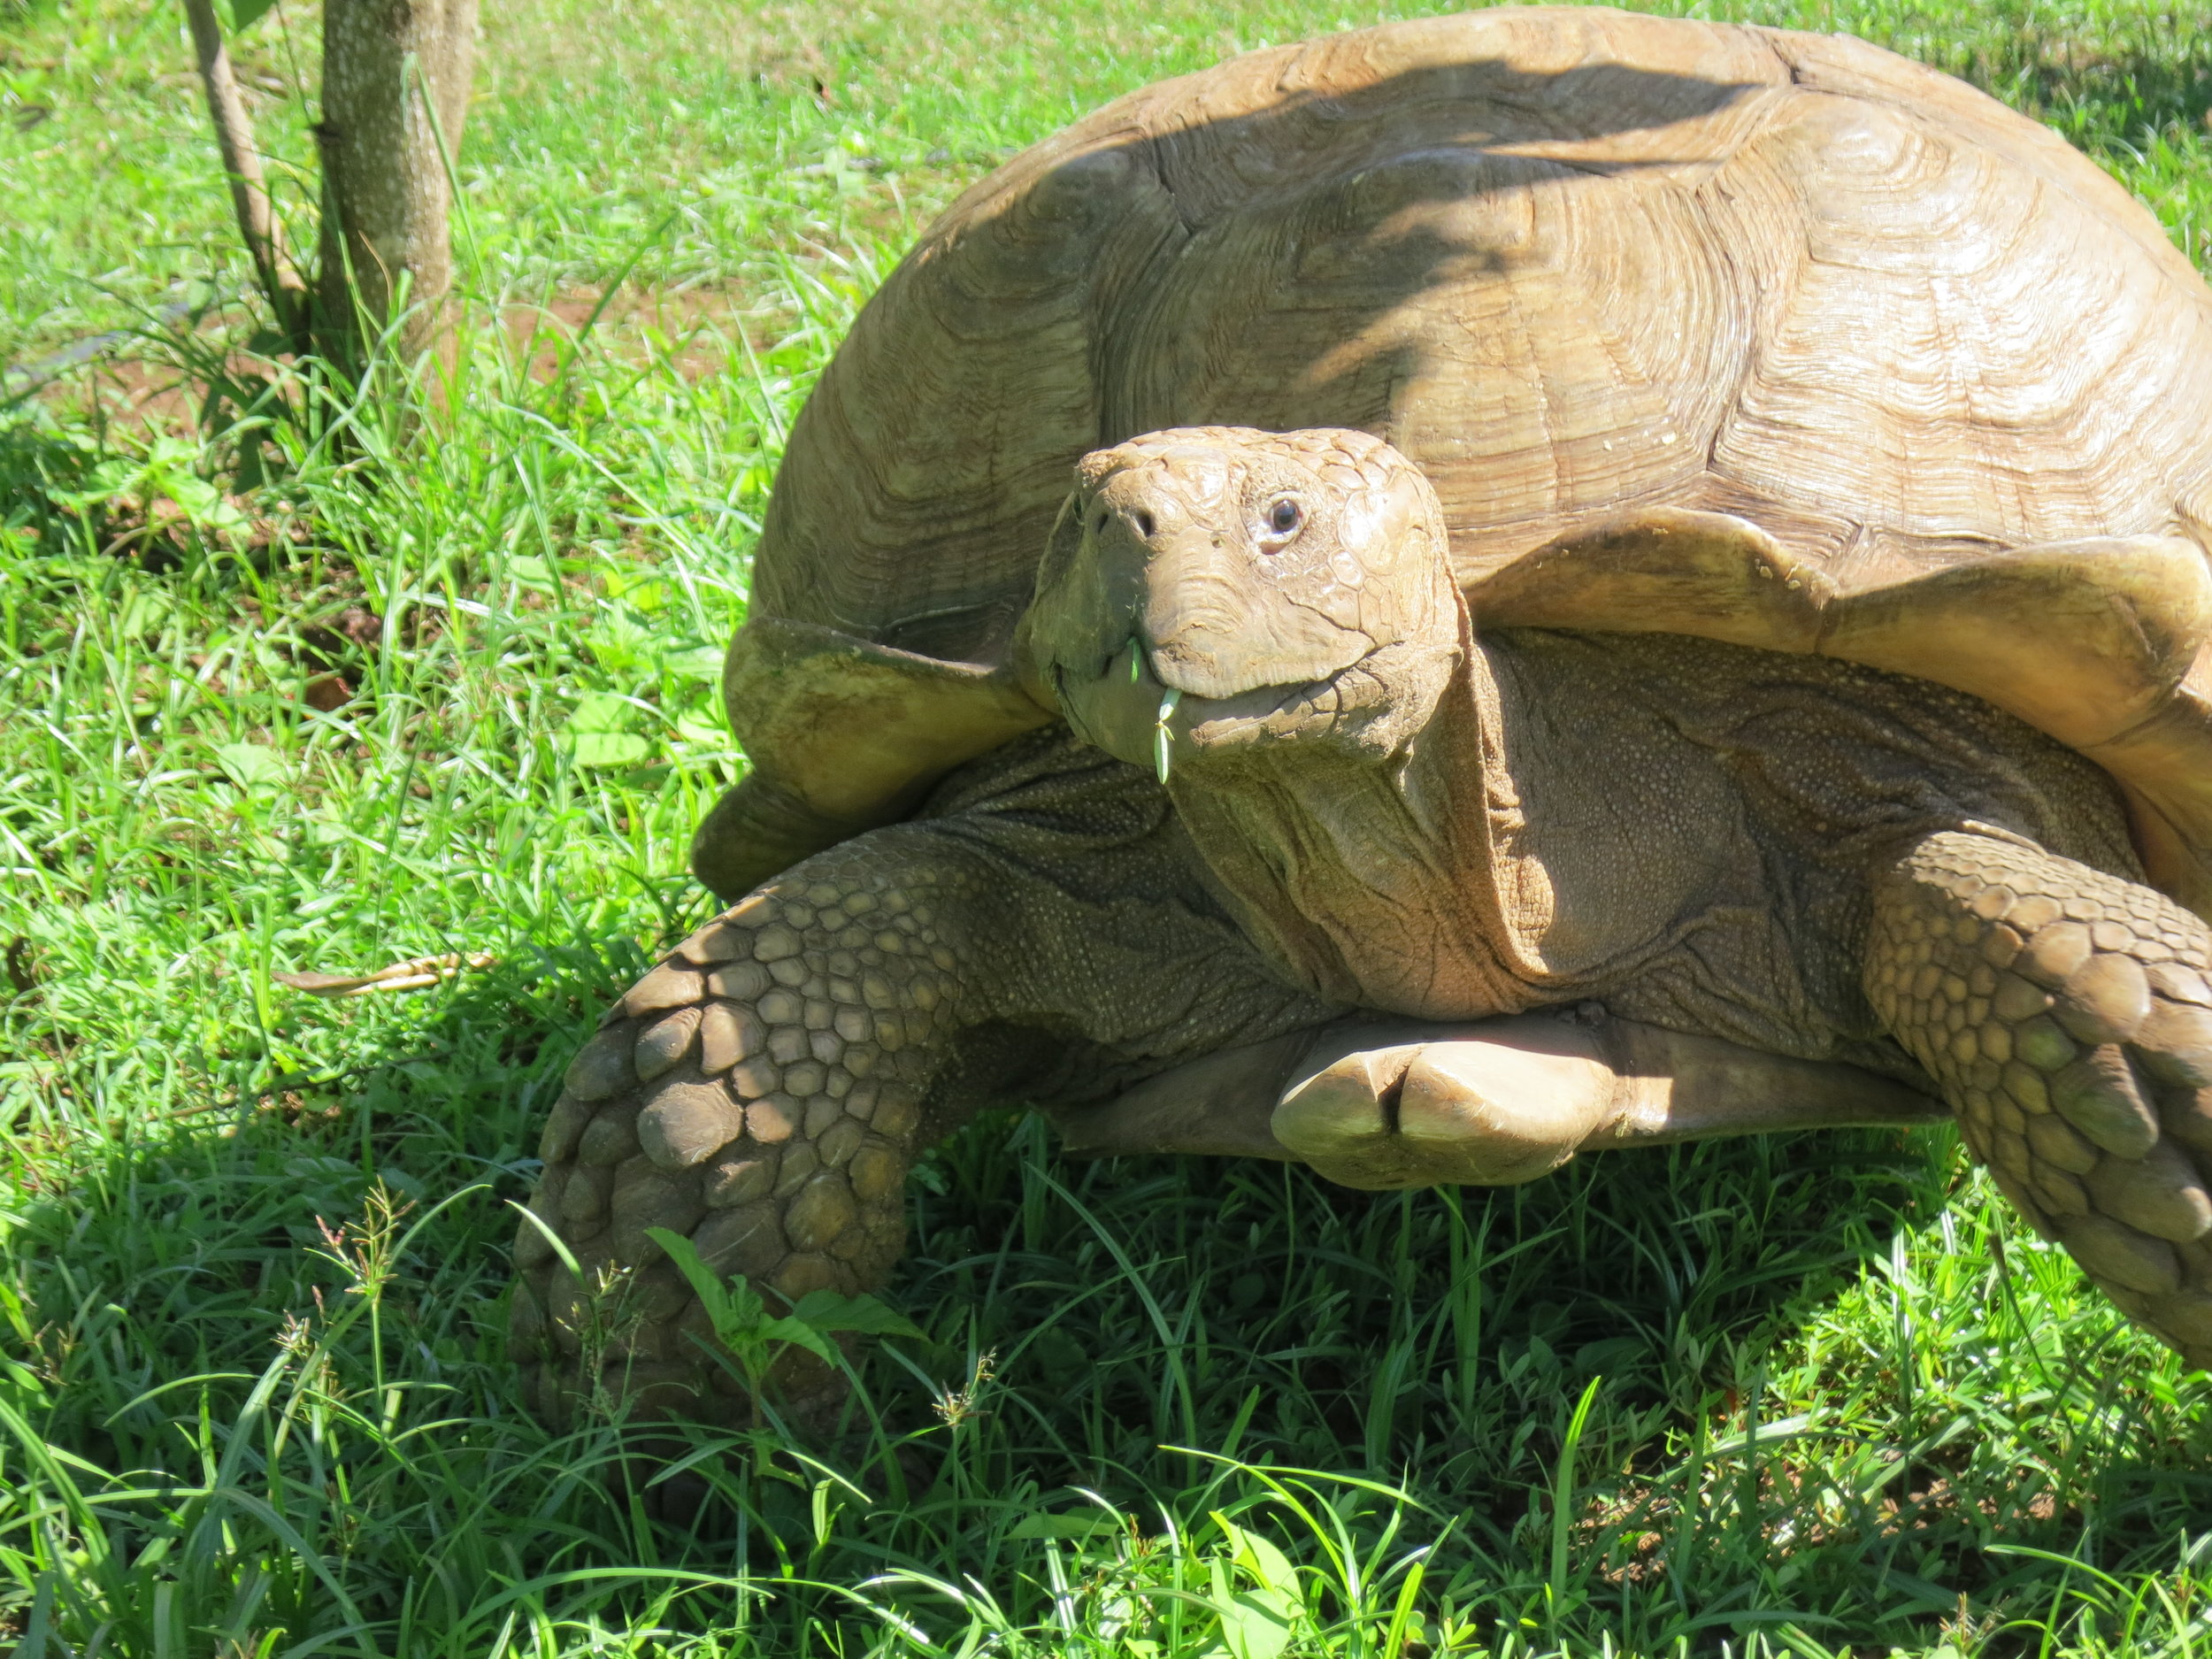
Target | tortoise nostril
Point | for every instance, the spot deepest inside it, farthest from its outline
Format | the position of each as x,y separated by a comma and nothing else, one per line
1143,521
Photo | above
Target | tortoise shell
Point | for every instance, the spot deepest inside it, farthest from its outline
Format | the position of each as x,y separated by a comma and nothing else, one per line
1732,331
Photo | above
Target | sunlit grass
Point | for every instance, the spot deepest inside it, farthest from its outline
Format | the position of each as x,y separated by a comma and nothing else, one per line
302,685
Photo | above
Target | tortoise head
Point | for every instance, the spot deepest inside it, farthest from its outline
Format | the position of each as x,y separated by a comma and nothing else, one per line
1211,588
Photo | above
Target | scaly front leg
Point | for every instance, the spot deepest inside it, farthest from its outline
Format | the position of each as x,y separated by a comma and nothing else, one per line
763,1090
759,1091
2067,1014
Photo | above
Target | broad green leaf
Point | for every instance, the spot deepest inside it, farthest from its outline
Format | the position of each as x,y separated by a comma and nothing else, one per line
648,590
826,1311
1253,1625
693,662
607,749
103,482
250,764
1249,1628
602,712
701,734
1258,1555
201,502
800,1334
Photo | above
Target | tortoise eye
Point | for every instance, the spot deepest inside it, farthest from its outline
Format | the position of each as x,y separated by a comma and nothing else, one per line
1285,519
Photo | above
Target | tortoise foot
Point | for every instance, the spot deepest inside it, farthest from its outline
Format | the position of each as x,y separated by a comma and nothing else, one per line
1488,1105
1499,1101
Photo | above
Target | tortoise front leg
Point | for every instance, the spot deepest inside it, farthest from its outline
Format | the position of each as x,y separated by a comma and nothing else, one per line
2067,1014
759,1091
763,1090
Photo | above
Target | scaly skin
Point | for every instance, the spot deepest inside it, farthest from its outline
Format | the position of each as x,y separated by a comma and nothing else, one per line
2068,1017
759,1091
764,1088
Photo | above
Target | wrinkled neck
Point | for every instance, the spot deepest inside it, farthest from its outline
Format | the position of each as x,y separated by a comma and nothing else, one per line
1359,856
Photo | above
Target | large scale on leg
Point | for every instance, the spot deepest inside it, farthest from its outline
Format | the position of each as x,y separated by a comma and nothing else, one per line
2069,1018
1815,453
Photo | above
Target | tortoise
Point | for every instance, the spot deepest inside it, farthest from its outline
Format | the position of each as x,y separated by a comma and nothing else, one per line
1420,602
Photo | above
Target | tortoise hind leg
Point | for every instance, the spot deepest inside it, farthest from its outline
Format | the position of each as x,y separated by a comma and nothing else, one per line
2067,1015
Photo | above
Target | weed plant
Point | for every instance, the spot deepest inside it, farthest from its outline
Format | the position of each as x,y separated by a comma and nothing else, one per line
299,676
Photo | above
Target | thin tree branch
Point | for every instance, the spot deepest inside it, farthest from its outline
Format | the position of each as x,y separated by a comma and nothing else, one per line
241,161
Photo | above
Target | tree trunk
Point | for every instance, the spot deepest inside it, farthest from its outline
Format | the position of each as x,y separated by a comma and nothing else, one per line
385,148
241,161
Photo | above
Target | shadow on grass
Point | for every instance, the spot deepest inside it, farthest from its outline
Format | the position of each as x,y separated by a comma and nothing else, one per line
1087,1321
2118,95
40,459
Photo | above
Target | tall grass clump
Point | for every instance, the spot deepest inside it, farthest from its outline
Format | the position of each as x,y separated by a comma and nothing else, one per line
301,675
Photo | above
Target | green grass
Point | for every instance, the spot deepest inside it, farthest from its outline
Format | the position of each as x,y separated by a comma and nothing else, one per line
1835,1398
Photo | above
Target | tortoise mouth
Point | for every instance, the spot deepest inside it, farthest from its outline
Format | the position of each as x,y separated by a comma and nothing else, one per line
1134,714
